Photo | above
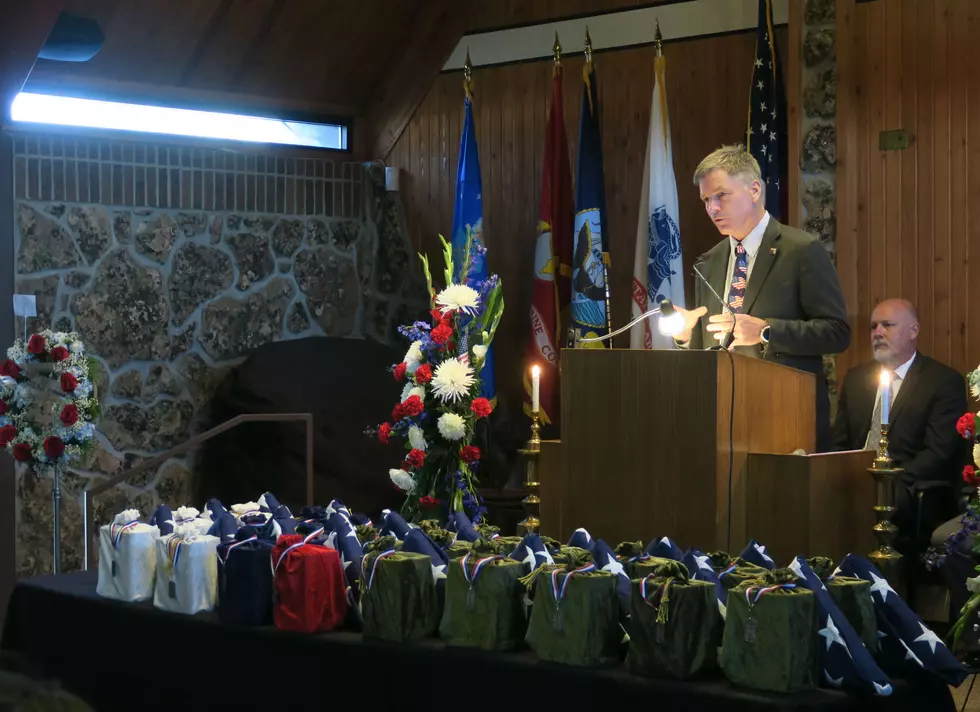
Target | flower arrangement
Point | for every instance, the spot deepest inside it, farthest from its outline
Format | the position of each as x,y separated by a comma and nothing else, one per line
440,404
55,362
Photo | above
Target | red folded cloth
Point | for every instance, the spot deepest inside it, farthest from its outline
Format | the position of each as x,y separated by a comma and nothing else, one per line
310,595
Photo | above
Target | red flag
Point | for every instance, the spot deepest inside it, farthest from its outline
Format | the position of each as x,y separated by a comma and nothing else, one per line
552,260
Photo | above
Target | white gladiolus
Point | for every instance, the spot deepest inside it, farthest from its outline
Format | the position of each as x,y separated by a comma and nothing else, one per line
973,584
413,357
480,352
415,438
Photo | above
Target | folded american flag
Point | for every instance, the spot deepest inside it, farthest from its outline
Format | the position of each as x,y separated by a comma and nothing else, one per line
417,541
906,642
844,660
665,548
163,519
582,539
532,552
756,554
462,527
393,524
606,560
699,568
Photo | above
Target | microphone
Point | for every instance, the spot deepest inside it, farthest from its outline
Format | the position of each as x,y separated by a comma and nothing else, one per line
727,342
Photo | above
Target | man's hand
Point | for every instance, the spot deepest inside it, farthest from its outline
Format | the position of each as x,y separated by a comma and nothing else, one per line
748,329
691,317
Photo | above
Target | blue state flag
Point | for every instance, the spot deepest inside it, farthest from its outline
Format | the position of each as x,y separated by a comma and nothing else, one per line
590,261
468,217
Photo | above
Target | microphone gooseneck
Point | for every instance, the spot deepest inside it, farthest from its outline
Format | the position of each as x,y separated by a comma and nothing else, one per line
730,337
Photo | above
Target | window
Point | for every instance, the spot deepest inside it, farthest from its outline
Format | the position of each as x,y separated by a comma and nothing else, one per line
29,107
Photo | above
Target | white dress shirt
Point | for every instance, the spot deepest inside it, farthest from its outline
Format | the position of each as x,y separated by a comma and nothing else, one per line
898,378
751,243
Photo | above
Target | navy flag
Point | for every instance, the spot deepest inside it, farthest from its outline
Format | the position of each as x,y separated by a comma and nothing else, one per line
590,260
766,132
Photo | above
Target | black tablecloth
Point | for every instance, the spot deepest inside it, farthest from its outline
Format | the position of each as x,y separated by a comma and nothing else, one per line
133,657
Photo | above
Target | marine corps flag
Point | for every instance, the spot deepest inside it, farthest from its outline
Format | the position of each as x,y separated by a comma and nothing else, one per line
590,260
552,257
657,270
468,216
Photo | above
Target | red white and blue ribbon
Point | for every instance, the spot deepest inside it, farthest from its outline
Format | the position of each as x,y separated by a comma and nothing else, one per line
374,566
173,546
762,591
295,546
728,570
471,578
235,546
559,593
643,589
116,534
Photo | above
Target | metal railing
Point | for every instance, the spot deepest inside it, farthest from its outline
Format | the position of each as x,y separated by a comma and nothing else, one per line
88,556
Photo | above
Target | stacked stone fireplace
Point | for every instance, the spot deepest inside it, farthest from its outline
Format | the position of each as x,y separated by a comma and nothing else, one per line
173,263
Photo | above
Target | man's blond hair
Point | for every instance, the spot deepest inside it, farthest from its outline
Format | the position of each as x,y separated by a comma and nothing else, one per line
735,161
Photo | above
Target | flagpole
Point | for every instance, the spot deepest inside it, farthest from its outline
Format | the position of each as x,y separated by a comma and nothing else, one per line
605,255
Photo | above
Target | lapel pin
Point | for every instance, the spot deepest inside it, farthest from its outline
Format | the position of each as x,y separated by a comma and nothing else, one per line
772,250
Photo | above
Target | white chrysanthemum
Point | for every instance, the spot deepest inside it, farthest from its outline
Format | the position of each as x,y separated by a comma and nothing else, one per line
185,513
415,438
458,297
244,508
451,426
413,357
452,380
410,390
402,480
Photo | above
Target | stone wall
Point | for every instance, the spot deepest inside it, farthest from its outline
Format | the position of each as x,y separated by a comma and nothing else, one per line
819,131
172,264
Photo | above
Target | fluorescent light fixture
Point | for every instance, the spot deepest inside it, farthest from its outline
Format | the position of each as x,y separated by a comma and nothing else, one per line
71,111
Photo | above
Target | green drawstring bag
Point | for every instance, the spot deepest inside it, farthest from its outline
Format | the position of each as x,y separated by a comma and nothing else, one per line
641,568
398,596
853,596
484,601
734,572
458,549
565,554
575,616
770,639
673,631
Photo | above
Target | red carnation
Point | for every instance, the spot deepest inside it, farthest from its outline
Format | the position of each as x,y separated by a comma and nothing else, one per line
439,318
69,414
3,407
7,433
481,407
441,334
54,447
412,406
970,476
427,502
400,371
22,452
384,432
469,453
59,353
398,412
68,382
10,369
423,374
416,458
966,426
35,345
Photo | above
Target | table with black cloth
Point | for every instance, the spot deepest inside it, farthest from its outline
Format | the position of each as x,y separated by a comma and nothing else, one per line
122,656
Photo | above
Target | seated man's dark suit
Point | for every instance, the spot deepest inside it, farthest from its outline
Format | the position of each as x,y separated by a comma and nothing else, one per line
922,437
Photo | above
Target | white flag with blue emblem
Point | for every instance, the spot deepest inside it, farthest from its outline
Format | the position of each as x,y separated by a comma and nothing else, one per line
658,272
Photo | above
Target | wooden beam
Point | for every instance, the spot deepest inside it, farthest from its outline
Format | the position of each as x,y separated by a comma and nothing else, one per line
411,72
23,32
792,80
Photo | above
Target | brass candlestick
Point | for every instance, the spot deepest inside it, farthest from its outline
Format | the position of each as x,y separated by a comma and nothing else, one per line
532,502
885,475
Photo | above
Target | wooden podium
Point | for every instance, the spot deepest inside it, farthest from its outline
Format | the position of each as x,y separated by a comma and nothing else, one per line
648,440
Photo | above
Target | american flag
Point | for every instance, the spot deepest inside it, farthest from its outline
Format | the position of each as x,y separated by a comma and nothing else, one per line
582,539
755,553
393,524
844,661
699,567
532,552
907,644
461,526
766,133
665,548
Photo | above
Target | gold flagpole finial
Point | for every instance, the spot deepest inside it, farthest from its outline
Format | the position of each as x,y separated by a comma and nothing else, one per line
468,76
556,49
588,46
658,39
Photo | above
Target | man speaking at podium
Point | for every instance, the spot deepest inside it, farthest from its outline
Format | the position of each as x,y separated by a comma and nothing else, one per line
783,302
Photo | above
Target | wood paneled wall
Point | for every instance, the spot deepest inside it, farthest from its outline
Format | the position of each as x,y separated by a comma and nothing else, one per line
904,223
493,14
708,90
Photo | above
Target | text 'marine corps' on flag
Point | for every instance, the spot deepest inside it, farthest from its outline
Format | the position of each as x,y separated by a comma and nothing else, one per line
552,260
590,288
468,217
657,267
